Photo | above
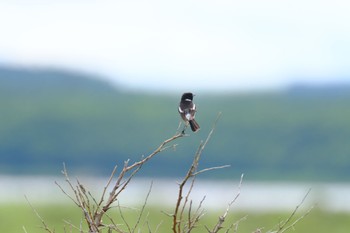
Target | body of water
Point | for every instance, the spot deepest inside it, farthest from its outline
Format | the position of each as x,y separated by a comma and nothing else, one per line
253,196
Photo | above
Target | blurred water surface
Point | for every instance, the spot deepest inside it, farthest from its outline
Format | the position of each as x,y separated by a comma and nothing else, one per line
254,196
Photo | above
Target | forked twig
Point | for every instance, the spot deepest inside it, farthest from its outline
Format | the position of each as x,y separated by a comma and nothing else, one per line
222,218
93,210
192,172
107,185
282,228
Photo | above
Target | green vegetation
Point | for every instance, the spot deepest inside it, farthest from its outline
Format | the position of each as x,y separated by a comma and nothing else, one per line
49,117
14,217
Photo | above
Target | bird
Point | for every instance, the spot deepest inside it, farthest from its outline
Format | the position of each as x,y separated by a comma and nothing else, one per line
187,110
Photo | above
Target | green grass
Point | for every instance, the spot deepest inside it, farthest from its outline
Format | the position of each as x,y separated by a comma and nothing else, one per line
13,217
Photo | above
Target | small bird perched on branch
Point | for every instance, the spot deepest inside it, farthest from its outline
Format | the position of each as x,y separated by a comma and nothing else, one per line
187,110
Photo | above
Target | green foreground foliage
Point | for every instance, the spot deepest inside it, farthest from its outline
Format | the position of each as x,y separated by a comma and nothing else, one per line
14,217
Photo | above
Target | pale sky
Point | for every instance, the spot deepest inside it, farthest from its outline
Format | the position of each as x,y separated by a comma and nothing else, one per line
183,44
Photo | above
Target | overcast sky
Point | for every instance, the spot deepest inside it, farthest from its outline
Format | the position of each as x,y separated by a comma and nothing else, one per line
183,44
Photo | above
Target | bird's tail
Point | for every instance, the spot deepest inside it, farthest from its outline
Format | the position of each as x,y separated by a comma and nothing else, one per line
194,125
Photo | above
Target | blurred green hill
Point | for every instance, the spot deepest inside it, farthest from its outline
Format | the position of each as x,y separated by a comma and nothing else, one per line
48,117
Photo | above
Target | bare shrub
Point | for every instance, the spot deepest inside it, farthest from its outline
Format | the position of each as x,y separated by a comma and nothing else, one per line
185,217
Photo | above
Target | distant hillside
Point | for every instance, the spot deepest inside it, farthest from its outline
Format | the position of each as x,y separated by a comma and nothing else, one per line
49,117
329,90
25,79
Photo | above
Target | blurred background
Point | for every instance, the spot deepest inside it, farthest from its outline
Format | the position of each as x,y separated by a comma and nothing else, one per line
93,83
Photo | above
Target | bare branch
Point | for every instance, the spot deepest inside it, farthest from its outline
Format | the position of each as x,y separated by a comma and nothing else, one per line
235,224
284,227
192,221
107,185
222,218
211,168
186,200
159,149
65,193
177,218
191,173
73,226
95,209
143,207
158,226
298,219
93,216
123,218
45,227
210,133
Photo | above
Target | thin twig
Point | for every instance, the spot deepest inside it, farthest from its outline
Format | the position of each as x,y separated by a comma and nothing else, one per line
281,228
298,219
158,226
121,184
72,225
235,224
123,218
186,200
222,218
199,213
159,149
177,218
45,226
65,193
191,173
107,185
211,168
143,207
